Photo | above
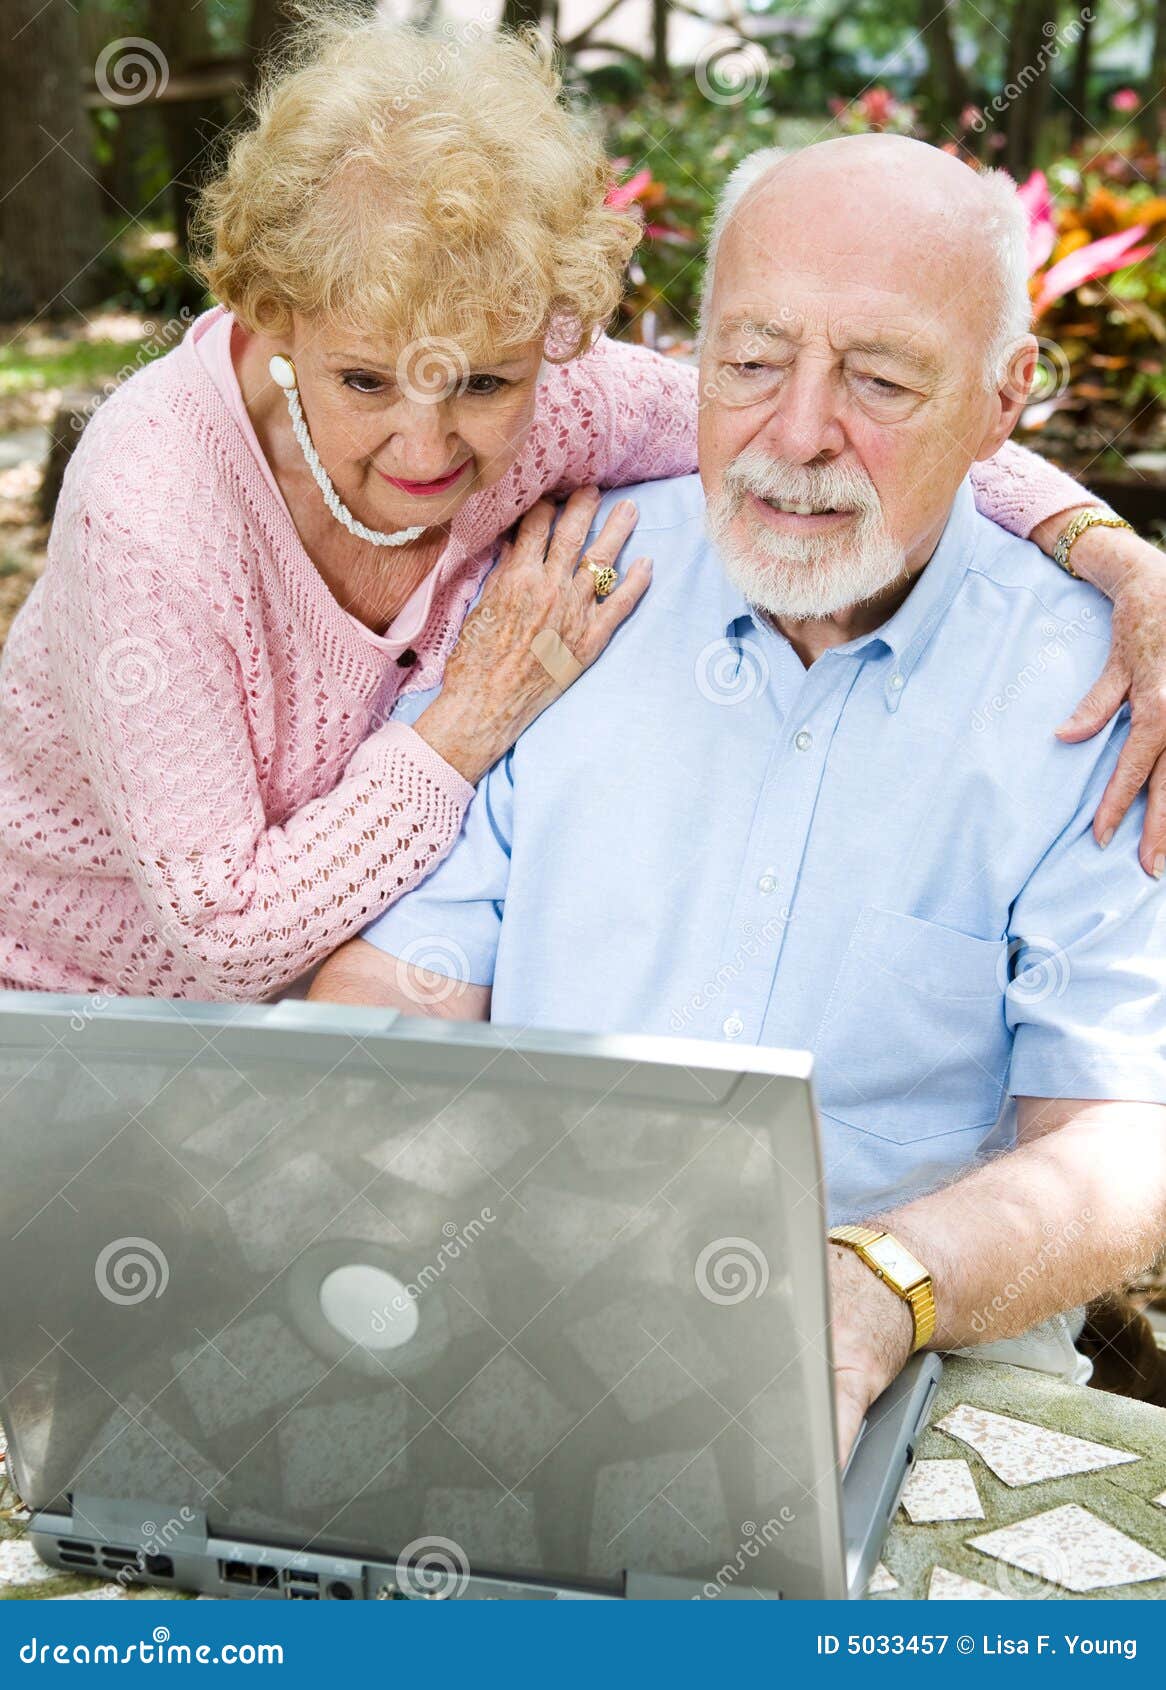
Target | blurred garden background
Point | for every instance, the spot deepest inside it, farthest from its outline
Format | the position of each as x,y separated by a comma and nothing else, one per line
112,111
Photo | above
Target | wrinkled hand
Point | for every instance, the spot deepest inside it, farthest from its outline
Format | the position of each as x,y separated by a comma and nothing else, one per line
872,1331
494,686
1135,669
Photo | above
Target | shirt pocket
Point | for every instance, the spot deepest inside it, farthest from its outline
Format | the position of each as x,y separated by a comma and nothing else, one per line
913,1042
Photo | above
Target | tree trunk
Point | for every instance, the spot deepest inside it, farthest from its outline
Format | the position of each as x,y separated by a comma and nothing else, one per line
946,85
517,13
269,23
1079,124
1150,122
188,126
661,70
1032,32
50,223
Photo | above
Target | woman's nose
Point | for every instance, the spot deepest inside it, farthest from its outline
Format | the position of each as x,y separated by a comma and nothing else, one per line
424,442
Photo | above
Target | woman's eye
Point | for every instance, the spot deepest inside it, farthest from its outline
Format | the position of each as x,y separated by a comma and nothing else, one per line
361,382
484,385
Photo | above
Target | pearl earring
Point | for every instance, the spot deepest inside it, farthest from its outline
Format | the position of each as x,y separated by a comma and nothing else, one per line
283,374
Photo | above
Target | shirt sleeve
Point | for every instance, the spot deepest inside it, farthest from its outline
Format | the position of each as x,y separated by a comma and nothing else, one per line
1086,998
452,922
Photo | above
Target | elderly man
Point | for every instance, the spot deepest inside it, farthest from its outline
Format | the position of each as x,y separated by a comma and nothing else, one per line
809,797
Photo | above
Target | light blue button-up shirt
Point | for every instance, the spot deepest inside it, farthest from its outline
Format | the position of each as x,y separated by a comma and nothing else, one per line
885,858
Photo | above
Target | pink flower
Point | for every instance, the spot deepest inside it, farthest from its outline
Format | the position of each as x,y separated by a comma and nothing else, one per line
1089,263
1036,199
1125,99
878,105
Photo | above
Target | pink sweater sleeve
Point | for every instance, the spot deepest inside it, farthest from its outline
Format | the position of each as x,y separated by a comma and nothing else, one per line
643,411
1018,489
154,695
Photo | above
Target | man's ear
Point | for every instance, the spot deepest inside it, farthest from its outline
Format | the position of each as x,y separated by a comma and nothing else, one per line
1010,395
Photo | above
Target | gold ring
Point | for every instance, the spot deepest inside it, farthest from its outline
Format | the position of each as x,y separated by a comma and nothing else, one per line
605,576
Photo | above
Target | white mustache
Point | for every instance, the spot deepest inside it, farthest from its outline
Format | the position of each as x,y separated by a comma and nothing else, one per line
838,485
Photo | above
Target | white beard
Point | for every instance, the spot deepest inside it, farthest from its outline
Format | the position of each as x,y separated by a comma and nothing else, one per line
802,577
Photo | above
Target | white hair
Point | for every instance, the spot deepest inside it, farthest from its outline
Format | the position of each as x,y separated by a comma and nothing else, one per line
1005,222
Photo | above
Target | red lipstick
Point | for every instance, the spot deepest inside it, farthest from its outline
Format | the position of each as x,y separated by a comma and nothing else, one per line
424,489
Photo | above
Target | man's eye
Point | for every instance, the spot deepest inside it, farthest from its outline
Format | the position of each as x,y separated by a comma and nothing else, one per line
880,385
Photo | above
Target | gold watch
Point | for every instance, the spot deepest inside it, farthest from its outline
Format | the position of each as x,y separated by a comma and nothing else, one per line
1074,529
894,1264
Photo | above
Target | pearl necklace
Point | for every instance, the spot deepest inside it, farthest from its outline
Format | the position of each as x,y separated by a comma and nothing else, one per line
283,373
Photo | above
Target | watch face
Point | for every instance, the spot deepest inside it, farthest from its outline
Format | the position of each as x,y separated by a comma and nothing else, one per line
897,1263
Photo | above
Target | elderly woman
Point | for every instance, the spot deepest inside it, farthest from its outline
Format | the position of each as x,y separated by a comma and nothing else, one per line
271,534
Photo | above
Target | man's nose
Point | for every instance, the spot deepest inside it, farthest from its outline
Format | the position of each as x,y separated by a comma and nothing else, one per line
803,424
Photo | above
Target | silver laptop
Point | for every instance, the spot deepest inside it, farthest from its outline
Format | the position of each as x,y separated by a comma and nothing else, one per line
300,1301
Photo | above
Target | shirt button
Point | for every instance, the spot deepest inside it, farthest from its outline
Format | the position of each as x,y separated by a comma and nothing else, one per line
896,682
733,1027
767,883
804,740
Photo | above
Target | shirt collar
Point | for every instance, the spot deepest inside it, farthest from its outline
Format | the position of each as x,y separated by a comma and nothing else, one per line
907,633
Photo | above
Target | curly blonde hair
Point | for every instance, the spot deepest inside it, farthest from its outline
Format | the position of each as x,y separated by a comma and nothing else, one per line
416,185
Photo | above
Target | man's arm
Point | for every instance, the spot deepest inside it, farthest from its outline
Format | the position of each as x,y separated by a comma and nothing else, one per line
359,973
1077,1208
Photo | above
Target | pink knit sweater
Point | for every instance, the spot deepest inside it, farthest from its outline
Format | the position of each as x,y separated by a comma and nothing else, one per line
199,793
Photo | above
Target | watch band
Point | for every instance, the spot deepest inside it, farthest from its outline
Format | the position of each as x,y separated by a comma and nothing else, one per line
919,1294
1073,531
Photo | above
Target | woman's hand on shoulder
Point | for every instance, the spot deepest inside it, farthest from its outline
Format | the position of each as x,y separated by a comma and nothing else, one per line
495,685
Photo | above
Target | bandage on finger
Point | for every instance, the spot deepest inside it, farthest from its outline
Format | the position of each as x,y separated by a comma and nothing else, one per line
557,659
